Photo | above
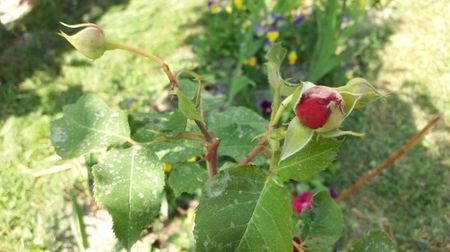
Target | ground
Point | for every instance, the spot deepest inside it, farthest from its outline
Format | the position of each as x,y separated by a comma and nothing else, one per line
39,73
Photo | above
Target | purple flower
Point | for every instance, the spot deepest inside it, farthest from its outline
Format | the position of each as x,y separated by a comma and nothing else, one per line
258,29
345,19
302,201
299,19
333,193
267,45
210,3
266,107
273,18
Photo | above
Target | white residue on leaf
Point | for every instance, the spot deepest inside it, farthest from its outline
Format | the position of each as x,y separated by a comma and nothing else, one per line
58,135
141,195
114,114
216,187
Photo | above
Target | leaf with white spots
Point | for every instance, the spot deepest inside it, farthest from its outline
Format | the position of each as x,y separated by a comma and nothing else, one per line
374,241
87,125
188,178
128,184
237,115
237,141
323,224
243,210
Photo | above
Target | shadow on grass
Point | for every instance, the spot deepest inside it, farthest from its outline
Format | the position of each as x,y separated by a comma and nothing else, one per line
32,45
408,200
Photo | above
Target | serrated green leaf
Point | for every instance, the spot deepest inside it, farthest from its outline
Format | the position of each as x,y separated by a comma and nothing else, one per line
187,107
275,57
323,224
237,115
128,184
243,210
374,241
297,137
176,123
316,156
237,141
187,178
87,125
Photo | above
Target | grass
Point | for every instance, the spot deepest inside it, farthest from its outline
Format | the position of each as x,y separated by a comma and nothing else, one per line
411,199
39,73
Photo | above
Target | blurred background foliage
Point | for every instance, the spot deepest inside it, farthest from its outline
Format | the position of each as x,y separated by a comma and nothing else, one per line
400,46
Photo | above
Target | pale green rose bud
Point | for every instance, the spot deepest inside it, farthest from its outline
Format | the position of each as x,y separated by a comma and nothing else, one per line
90,41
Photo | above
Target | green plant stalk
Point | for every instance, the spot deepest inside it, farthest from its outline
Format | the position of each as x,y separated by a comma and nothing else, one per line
159,61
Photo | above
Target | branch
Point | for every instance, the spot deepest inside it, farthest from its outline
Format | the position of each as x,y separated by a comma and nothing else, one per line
390,160
255,151
263,140
211,147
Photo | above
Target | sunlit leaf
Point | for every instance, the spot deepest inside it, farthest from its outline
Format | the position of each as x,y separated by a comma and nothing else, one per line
243,210
316,156
128,184
297,137
87,125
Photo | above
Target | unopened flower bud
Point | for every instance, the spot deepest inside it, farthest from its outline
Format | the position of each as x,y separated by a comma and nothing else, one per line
321,108
90,41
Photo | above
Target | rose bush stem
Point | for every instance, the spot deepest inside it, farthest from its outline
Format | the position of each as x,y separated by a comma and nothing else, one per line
263,140
164,66
212,144
390,160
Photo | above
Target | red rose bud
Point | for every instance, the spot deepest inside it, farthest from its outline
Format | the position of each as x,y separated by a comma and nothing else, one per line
321,108
90,41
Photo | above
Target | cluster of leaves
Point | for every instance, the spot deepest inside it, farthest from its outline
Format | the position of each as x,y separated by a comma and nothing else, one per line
321,38
243,207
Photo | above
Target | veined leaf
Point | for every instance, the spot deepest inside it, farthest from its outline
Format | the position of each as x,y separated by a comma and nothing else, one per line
87,125
323,225
128,184
237,141
297,137
374,241
312,159
238,115
187,178
243,210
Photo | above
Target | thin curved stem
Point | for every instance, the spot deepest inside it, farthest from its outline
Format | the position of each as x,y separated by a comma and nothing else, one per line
390,160
159,61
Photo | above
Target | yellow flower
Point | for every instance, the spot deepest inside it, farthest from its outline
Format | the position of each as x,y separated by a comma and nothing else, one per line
292,58
339,50
167,167
349,74
239,4
247,24
133,106
192,159
272,36
251,61
215,8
